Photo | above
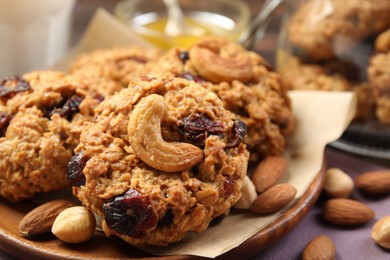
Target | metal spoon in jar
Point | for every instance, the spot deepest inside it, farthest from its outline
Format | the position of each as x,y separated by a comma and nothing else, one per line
176,24
259,24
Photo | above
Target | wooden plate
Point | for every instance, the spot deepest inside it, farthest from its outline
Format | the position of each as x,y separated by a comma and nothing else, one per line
48,247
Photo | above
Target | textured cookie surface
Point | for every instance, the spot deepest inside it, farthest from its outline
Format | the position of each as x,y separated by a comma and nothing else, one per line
109,70
162,159
41,116
244,82
379,76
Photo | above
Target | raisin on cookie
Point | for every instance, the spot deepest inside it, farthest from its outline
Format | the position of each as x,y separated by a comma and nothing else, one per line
163,158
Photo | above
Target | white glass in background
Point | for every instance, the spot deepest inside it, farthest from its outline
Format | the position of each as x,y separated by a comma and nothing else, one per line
34,34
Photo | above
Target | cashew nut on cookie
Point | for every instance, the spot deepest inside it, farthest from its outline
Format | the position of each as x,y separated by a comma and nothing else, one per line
219,61
144,129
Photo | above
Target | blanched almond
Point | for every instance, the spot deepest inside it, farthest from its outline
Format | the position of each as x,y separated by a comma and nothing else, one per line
381,232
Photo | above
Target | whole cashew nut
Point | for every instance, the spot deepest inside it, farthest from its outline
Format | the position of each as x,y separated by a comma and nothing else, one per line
217,60
144,129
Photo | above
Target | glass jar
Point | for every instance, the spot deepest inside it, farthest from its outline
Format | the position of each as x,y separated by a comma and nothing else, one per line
215,17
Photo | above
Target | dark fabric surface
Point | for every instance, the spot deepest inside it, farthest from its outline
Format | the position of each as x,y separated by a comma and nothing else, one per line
351,243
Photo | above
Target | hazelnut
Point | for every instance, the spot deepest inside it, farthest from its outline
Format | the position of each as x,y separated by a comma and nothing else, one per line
74,225
338,184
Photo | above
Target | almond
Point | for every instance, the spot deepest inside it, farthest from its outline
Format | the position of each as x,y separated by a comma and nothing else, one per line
40,219
374,182
342,211
274,199
268,172
321,247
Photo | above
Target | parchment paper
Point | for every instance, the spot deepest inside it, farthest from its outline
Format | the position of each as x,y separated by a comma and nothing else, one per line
321,117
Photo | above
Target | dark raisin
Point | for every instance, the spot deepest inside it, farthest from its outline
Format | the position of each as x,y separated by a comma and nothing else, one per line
166,220
74,173
184,56
191,77
197,127
70,107
7,90
4,122
228,186
98,97
131,214
239,131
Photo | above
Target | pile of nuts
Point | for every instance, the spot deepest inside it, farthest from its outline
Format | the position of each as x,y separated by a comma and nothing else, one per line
340,210
260,193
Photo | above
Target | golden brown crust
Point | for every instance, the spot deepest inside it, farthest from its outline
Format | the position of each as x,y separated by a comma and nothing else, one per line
37,142
379,77
107,71
257,95
179,202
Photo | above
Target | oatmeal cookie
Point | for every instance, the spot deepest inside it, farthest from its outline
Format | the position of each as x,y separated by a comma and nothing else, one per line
314,76
163,158
108,70
382,42
332,75
366,103
379,77
321,30
244,82
41,116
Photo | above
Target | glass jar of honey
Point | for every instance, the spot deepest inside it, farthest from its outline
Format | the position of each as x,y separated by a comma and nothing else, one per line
148,18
